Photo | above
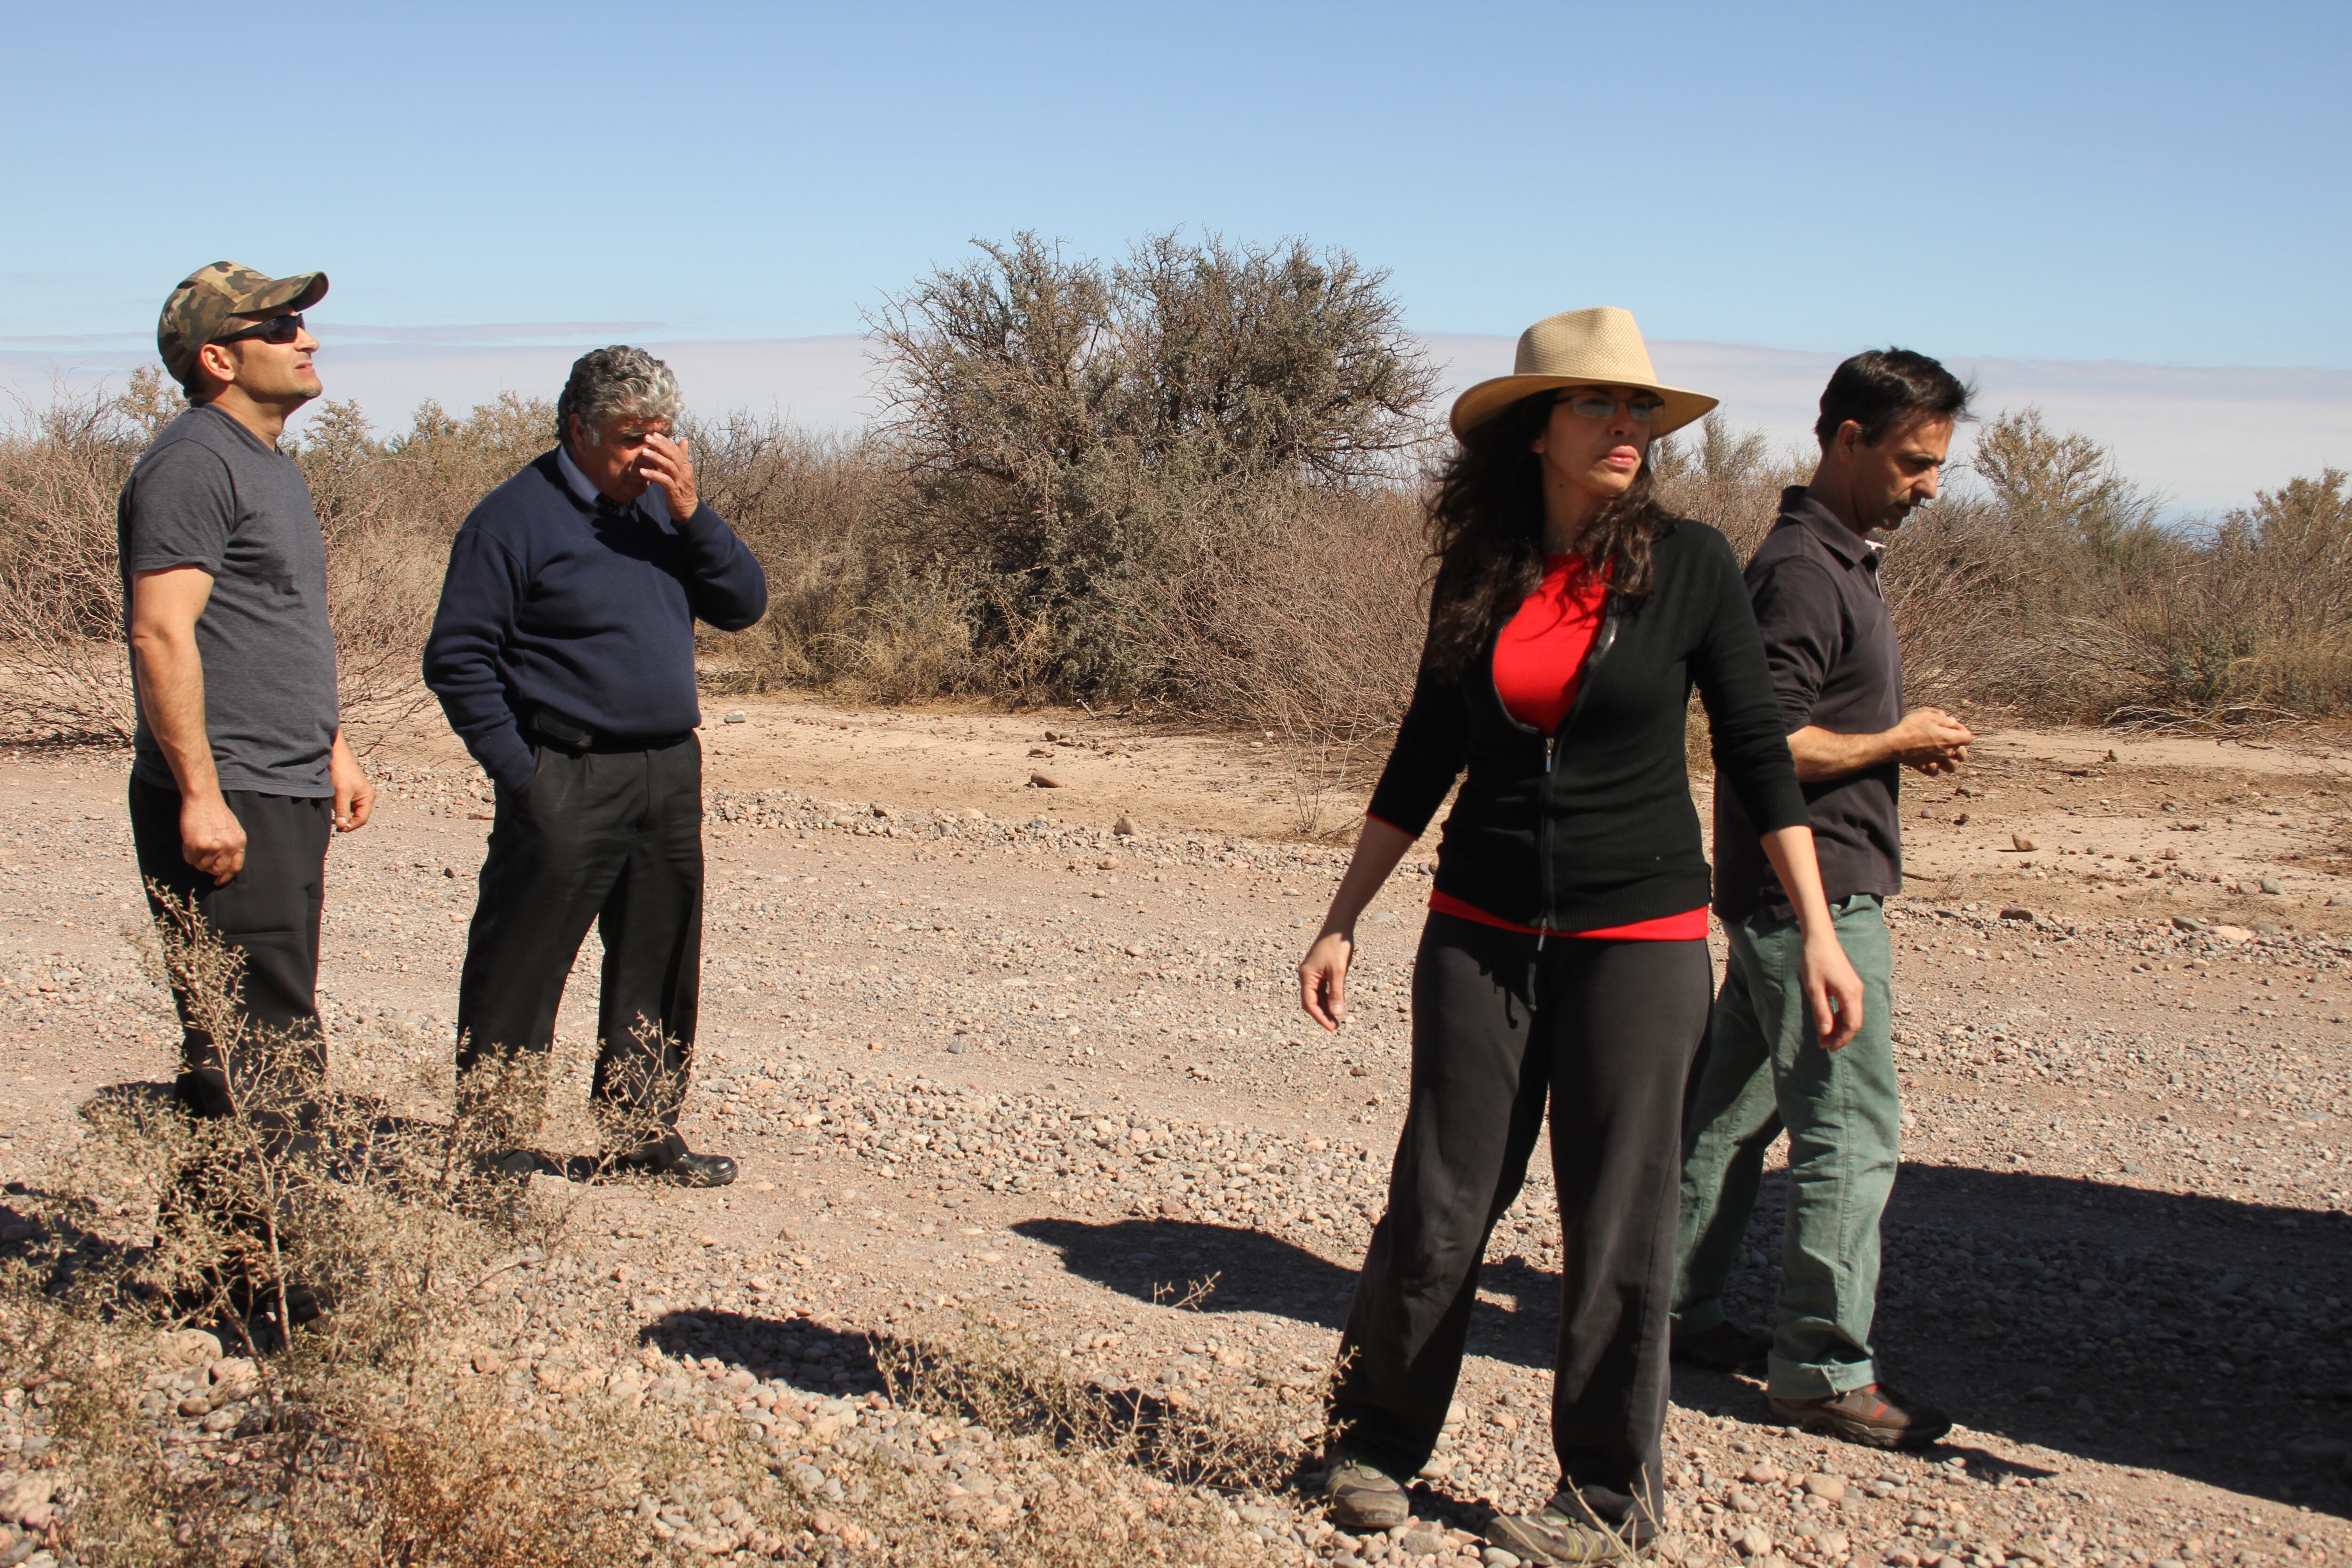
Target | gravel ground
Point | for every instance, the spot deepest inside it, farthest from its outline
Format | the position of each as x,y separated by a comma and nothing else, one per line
1024,1065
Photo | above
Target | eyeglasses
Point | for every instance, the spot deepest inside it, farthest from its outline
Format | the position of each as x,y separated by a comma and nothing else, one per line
1594,406
277,330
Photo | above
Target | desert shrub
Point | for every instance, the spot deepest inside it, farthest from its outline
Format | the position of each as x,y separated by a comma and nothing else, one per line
1307,625
1193,478
1075,432
388,509
60,470
2050,588
1729,480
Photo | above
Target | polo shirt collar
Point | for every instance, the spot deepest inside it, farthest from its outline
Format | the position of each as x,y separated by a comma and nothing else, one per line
1798,505
583,488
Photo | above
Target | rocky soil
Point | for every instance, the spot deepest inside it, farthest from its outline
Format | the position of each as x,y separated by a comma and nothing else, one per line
981,1055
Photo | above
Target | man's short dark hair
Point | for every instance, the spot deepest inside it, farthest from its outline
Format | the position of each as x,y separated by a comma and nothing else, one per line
1881,390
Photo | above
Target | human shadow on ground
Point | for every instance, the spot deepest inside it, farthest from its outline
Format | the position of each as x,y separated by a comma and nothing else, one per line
2192,1333
1000,1384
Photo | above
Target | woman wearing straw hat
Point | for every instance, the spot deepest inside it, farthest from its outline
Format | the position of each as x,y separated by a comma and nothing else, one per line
1565,959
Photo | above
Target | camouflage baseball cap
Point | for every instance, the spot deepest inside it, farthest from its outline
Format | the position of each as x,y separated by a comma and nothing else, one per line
207,302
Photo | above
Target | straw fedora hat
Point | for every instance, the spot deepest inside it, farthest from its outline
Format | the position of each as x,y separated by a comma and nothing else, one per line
1598,347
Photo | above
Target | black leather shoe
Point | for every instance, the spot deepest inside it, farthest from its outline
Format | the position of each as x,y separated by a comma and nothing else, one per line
1727,1347
670,1156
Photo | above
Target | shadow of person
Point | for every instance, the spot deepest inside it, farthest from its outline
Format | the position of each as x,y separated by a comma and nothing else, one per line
2194,1333
2189,1332
809,1356
998,1382
1214,1268
1217,1269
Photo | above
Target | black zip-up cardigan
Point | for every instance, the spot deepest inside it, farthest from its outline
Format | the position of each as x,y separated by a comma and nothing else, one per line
1592,826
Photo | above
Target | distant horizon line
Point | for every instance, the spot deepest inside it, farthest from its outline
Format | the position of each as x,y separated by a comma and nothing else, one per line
496,335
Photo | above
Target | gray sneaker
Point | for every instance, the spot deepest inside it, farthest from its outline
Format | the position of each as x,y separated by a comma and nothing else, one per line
1363,1496
1552,1536
1596,1524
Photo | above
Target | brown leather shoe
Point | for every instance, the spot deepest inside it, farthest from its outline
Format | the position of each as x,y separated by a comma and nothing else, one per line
1874,1416
1727,1347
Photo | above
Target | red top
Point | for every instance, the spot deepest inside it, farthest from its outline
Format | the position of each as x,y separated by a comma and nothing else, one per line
1540,656
1538,659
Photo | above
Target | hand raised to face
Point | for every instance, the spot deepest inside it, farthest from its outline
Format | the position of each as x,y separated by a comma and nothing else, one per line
665,462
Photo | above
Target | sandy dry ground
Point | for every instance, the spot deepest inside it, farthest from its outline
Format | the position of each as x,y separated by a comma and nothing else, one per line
973,1047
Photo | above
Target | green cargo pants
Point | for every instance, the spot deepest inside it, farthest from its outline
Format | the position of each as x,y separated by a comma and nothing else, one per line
1765,1070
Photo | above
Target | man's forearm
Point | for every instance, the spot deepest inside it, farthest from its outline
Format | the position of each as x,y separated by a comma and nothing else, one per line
1822,755
171,680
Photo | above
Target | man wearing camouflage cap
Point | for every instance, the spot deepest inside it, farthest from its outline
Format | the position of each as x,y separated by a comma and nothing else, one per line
240,770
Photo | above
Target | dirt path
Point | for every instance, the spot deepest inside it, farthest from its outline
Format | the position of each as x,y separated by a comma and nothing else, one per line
971,1045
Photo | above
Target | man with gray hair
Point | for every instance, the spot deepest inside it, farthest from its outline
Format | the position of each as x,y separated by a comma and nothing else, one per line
564,654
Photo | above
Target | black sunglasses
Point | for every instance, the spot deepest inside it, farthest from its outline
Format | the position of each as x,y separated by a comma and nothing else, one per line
277,330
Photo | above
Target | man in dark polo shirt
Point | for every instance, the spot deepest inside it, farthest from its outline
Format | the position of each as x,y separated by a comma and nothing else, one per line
1886,426
239,770
564,654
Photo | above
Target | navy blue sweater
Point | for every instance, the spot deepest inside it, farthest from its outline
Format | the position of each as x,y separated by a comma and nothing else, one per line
548,605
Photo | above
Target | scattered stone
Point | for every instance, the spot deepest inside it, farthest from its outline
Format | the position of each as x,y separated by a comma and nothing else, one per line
1822,1485
26,1494
2022,844
1043,781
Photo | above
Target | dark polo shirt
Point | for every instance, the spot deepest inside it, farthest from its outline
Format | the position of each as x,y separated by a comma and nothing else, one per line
1830,642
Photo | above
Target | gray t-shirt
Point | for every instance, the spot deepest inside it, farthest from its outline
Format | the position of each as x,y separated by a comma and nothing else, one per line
209,493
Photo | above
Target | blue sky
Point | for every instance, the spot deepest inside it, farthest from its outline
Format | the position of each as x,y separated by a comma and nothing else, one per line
2146,182
2117,211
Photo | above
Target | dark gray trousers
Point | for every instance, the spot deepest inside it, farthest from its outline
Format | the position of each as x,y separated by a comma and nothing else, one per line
270,913
1603,1034
611,837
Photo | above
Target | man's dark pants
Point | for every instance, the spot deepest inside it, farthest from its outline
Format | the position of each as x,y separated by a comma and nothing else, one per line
268,912
611,837
1602,1035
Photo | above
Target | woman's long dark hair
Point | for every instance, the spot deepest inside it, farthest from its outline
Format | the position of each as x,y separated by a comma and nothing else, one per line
1486,532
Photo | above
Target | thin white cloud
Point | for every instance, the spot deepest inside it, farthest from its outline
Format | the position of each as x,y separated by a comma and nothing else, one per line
489,332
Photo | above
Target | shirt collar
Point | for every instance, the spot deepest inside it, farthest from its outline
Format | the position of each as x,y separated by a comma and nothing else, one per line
582,486
1799,506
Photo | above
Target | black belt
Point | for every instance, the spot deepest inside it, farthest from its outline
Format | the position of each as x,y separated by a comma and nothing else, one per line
557,730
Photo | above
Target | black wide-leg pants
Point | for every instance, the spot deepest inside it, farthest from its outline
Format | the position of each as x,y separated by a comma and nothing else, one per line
611,837
270,913
1602,1034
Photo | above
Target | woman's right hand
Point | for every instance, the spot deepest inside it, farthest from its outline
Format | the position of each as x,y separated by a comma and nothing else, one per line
1323,973
1323,978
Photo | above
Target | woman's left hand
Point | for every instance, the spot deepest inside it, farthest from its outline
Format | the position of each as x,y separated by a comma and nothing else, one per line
1832,987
